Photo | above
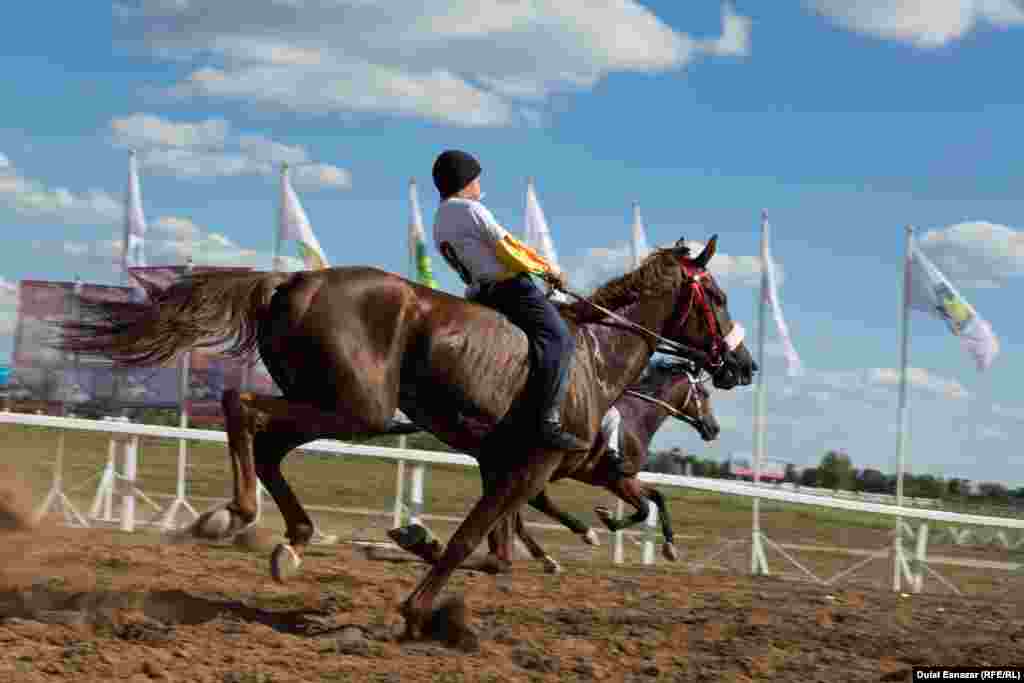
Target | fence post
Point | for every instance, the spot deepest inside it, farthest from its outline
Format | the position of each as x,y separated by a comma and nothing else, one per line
651,532
620,512
131,451
416,497
399,493
920,556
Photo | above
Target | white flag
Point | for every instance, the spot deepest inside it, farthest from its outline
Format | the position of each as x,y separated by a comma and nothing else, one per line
770,291
638,246
423,272
931,292
538,236
294,225
133,255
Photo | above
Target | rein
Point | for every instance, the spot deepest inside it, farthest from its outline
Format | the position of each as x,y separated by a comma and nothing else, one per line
661,344
672,410
710,359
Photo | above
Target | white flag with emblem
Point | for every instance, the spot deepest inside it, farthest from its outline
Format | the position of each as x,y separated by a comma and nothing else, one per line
931,292
294,225
769,290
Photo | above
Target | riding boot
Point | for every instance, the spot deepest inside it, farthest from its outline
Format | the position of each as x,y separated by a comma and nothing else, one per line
553,434
616,466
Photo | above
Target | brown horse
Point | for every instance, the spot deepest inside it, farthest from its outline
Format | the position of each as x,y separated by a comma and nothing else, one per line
675,392
348,346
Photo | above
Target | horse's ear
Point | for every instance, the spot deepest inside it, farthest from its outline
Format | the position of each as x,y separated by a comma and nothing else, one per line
709,251
680,247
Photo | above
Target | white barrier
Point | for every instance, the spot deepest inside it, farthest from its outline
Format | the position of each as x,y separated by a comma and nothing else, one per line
128,434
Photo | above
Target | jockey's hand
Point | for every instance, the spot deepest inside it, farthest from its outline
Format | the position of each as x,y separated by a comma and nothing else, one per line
556,279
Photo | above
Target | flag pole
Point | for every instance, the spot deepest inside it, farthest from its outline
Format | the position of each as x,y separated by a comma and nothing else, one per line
280,220
758,563
899,559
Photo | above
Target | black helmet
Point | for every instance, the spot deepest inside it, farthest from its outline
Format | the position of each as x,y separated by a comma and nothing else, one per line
453,170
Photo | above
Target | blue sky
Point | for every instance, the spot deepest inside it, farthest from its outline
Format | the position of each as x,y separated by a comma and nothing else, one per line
844,123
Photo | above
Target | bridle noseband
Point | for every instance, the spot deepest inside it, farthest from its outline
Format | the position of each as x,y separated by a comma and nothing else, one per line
693,393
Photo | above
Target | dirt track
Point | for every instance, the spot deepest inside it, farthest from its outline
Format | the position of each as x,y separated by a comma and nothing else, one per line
107,606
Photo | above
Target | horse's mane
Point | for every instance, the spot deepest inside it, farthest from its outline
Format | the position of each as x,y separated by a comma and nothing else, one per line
660,370
656,276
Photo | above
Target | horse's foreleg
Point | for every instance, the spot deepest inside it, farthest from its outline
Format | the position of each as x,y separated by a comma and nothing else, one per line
543,503
502,496
630,490
668,549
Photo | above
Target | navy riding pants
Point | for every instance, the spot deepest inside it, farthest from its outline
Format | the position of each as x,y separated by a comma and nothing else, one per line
551,343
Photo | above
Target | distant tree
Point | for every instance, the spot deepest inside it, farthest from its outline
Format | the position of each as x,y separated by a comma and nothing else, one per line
957,487
835,471
712,468
871,481
809,477
791,475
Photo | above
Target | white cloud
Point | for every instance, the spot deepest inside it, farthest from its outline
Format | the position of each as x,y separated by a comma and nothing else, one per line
146,130
924,23
920,379
735,38
600,264
877,383
315,176
265,149
190,164
33,199
208,149
8,306
976,253
182,229
466,63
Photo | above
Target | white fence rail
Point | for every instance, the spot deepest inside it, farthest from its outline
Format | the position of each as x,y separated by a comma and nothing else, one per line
125,436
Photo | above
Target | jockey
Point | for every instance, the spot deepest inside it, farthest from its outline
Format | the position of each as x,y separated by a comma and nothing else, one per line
496,268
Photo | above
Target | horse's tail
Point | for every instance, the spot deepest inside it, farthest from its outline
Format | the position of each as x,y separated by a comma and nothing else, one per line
215,309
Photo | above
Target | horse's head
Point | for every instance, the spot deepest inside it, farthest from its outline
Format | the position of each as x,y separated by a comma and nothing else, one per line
675,383
702,320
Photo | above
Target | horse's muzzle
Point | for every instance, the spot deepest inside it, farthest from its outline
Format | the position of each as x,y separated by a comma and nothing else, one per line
708,428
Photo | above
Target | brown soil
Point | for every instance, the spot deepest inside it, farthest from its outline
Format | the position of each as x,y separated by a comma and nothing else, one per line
102,606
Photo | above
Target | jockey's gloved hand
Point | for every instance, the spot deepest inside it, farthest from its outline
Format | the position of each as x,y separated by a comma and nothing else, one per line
556,279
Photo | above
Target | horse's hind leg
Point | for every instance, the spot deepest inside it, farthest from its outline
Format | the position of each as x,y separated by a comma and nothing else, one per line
668,549
631,491
241,511
544,504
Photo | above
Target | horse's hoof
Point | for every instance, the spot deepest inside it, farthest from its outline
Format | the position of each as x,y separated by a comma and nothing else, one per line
409,536
551,565
591,538
284,562
668,550
214,525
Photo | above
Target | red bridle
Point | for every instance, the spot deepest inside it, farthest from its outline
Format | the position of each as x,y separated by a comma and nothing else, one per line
695,279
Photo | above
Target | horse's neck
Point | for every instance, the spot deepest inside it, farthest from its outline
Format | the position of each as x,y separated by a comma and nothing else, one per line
649,416
620,355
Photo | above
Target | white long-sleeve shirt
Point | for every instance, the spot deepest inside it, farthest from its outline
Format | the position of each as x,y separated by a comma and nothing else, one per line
610,428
